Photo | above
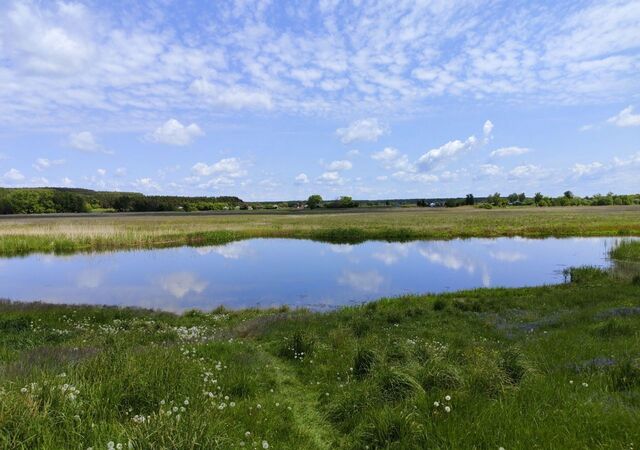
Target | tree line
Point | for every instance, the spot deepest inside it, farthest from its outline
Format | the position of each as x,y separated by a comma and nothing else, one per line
71,200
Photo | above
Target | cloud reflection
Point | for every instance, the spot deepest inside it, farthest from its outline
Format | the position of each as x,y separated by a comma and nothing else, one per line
507,256
180,284
234,250
369,281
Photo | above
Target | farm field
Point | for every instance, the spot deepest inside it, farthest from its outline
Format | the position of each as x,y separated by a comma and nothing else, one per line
23,235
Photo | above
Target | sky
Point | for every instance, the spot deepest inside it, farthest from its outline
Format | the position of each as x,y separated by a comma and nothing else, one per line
277,100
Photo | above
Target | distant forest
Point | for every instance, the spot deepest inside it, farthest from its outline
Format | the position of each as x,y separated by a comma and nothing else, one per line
75,200
72,200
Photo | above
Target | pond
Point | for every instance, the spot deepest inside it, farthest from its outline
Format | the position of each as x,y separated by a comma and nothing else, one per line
273,272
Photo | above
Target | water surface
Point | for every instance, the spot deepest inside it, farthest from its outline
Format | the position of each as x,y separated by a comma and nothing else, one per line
272,272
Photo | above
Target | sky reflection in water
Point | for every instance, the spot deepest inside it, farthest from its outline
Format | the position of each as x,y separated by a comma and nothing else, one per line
271,272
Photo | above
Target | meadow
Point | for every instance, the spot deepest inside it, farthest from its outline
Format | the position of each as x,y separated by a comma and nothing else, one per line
545,367
23,235
539,367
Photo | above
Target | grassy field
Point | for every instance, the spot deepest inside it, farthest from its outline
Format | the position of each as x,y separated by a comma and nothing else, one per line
547,367
104,232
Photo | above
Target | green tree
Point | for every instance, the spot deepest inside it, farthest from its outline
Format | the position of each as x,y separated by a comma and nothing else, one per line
537,199
568,194
470,200
314,201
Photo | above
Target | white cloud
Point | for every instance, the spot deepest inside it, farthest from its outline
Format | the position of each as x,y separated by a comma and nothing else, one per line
490,169
509,151
447,151
362,130
121,172
13,175
587,169
66,181
102,172
230,167
625,118
302,178
487,128
173,132
42,164
526,171
351,153
330,178
339,165
146,184
85,141
234,97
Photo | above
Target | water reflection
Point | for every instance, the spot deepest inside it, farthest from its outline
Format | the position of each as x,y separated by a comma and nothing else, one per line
180,284
271,272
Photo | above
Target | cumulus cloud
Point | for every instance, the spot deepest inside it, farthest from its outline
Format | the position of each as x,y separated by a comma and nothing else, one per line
625,118
339,165
526,171
302,178
447,151
85,142
362,130
509,151
172,132
390,158
490,169
13,175
43,164
487,128
332,178
229,167
587,169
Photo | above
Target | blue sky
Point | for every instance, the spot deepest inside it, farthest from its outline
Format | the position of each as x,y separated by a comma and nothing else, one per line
278,100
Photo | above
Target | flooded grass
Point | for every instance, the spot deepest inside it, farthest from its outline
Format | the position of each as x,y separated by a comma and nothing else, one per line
410,372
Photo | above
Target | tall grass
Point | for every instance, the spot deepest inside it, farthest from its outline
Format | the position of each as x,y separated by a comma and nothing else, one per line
68,234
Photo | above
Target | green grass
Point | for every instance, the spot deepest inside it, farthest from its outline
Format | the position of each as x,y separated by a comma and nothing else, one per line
19,236
627,251
546,367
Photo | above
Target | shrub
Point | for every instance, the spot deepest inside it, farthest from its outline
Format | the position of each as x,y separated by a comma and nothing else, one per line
387,427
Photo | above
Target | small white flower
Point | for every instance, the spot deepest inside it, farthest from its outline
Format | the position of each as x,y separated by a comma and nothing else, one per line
436,404
186,402
247,434
585,385
447,409
265,444
24,390
448,398
570,381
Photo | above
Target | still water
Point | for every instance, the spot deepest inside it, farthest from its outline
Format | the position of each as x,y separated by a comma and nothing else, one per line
271,272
